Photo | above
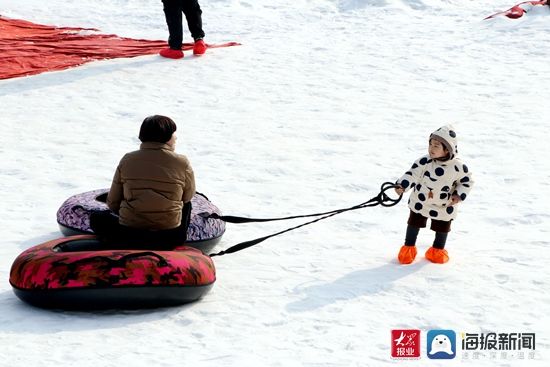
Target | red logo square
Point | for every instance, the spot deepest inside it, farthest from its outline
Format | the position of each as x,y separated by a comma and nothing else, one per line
405,344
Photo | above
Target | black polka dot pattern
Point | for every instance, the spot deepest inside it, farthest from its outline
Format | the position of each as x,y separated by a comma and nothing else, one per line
439,177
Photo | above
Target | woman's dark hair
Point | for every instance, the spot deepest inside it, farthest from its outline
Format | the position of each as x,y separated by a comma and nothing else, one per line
157,129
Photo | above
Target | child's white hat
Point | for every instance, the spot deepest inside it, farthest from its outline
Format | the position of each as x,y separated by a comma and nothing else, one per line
447,136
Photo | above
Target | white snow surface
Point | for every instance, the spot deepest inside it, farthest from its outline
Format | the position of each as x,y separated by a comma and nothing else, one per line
323,102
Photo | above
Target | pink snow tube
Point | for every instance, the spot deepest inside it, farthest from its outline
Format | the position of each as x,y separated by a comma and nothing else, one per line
79,273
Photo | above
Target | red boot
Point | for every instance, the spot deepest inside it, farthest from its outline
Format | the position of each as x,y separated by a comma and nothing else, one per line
199,48
406,254
437,255
171,54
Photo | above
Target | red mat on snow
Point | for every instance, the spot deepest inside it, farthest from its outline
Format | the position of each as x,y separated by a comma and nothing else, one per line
518,10
27,48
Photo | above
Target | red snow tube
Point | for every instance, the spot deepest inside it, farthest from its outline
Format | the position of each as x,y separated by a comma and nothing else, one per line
78,272
29,48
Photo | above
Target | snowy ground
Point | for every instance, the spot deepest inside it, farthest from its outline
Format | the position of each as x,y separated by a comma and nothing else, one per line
323,102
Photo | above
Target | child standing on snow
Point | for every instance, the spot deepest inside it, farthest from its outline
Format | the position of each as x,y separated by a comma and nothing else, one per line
173,10
439,181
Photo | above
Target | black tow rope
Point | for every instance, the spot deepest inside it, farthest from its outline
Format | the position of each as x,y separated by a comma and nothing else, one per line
380,199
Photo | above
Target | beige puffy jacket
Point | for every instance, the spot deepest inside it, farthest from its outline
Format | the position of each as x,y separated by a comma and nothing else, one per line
150,187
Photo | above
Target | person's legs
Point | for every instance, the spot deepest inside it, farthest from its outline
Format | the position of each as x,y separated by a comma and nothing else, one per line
440,240
193,14
172,12
417,220
443,226
186,217
109,231
104,224
411,235
437,253
407,253
178,236
170,238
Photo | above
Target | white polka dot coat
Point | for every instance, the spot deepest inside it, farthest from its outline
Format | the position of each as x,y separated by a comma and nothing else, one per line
433,181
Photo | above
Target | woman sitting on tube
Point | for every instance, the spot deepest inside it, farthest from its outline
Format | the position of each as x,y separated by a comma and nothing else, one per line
151,192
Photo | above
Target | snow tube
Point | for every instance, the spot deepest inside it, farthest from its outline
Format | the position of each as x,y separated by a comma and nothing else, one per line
73,218
79,273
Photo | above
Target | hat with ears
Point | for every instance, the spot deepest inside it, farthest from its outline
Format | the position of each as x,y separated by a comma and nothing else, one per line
447,136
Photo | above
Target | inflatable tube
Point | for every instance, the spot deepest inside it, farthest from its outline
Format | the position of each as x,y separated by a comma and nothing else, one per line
73,218
78,273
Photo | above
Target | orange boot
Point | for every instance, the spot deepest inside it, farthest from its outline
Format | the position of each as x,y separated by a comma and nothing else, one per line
437,255
406,254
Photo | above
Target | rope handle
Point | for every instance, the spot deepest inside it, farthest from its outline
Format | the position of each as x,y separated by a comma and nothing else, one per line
381,199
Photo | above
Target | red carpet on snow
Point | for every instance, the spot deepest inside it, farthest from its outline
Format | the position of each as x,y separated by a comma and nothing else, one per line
27,48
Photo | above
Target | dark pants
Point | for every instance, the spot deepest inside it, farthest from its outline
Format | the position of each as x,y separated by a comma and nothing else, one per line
107,228
417,221
173,10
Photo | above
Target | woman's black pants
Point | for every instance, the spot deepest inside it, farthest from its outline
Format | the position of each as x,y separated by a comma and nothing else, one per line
107,228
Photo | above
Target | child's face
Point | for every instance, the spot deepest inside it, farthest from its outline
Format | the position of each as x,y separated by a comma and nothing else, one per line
436,149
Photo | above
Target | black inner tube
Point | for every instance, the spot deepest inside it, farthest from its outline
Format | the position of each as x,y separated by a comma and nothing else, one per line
94,244
88,244
102,198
